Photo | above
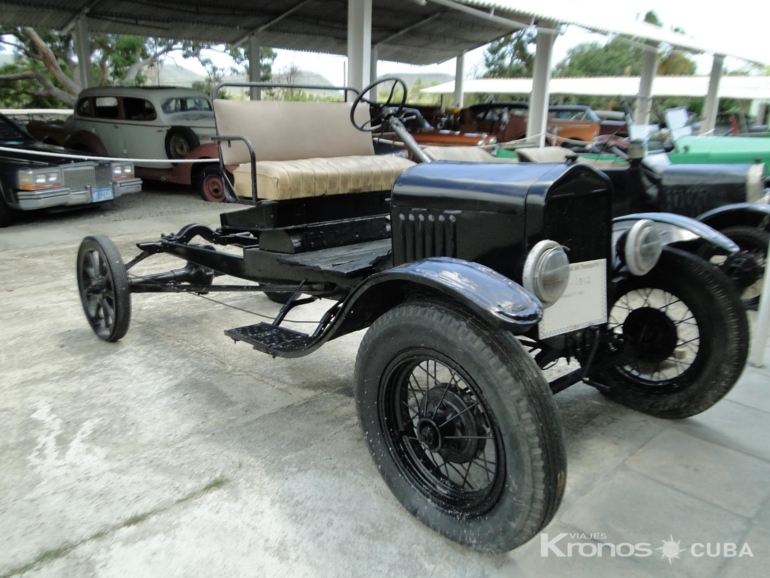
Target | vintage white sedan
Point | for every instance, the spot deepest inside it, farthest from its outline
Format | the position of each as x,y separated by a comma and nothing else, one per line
151,123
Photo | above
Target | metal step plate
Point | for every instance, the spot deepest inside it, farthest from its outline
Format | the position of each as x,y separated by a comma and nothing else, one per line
271,339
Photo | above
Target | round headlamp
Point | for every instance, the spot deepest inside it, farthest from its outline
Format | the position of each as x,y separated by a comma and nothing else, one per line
643,246
546,271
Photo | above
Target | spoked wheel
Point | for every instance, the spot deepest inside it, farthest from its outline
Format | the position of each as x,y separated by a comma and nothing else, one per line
685,328
747,267
461,424
103,285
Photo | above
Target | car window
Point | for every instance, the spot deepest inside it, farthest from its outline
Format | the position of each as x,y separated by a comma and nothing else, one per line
106,107
138,109
10,131
186,104
84,107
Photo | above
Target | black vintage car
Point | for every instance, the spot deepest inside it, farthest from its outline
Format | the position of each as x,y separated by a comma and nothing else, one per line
35,176
470,277
730,198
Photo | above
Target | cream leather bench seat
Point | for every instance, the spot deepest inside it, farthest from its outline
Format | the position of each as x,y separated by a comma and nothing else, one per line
281,180
303,149
464,154
560,154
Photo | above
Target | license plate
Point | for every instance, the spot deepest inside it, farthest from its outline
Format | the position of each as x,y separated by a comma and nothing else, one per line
584,302
101,194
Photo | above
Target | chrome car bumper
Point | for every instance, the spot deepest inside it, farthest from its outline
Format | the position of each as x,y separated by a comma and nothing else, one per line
126,186
64,197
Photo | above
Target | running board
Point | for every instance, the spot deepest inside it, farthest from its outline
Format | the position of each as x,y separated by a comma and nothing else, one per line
274,340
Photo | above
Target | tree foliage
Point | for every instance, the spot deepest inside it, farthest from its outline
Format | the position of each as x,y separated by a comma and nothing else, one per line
510,56
45,70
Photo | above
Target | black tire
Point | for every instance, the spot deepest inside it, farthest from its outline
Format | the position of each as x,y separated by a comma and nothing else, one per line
180,141
6,213
515,414
103,285
211,184
278,297
747,268
687,328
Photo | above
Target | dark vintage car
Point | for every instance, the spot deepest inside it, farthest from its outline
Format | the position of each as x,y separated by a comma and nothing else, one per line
34,176
426,134
731,198
470,277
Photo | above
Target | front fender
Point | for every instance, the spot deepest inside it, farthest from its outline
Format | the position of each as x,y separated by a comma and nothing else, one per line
674,229
747,214
493,297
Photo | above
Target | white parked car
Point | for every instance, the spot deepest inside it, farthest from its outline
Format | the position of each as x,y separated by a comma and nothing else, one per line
151,123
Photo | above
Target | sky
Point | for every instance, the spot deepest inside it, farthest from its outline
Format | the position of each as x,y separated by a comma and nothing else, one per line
742,28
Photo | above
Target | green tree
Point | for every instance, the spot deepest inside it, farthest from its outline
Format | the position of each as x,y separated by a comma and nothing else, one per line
45,72
510,56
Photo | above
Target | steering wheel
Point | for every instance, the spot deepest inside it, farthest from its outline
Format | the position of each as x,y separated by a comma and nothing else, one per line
386,111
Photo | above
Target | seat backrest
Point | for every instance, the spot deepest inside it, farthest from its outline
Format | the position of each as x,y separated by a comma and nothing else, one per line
544,154
284,131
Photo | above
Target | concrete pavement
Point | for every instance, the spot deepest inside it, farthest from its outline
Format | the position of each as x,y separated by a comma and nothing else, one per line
177,453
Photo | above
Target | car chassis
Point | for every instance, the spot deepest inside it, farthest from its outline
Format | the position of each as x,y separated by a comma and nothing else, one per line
456,412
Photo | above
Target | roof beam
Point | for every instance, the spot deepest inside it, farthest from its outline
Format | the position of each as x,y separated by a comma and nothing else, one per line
275,20
507,22
411,27
84,10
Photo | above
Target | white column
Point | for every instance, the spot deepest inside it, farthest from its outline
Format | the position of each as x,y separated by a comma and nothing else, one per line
359,42
759,343
83,52
255,66
373,64
644,98
460,80
711,106
541,80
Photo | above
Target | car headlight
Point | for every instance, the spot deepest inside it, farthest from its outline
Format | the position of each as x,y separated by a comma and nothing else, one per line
546,272
122,171
641,247
755,182
39,179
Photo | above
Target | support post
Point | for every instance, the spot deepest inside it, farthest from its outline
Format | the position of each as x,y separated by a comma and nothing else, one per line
460,80
644,98
541,80
759,343
83,51
255,66
359,42
373,64
711,106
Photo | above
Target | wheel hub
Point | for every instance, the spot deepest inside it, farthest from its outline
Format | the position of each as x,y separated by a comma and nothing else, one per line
744,269
652,334
454,427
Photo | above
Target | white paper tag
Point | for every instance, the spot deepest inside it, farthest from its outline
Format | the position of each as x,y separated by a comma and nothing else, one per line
583,304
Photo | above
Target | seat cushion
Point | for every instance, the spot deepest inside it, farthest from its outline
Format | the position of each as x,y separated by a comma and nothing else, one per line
464,154
544,154
282,180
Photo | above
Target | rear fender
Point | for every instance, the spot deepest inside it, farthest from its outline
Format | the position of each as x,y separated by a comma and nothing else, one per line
496,299
86,139
675,230
738,214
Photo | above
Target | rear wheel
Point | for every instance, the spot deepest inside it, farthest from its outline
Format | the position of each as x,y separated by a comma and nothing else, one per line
686,329
277,297
103,285
211,184
747,267
461,424
180,141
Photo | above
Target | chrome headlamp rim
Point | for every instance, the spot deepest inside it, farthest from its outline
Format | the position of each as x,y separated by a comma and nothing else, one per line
642,237
533,271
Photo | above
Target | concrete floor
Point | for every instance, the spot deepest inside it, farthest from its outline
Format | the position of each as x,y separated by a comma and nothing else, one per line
177,453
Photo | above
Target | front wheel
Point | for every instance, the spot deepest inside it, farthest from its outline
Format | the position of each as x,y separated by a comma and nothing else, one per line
104,290
461,424
685,328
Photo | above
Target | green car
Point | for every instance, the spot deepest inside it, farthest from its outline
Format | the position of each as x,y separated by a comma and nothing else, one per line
690,149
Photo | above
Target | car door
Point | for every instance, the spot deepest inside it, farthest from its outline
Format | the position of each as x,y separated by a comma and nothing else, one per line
143,132
105,124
